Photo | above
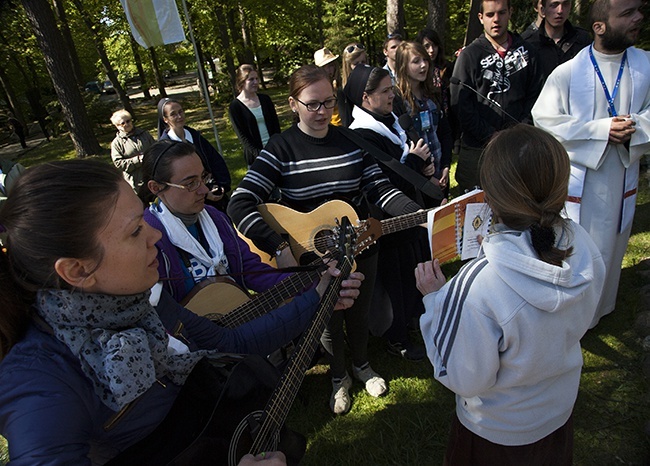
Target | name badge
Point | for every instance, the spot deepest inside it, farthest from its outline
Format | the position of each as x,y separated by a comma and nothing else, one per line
425,120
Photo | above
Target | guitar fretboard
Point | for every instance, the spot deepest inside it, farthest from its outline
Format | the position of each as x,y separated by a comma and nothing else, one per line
272,298
277,409
403,222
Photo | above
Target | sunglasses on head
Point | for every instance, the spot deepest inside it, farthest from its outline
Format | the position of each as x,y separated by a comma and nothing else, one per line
352,48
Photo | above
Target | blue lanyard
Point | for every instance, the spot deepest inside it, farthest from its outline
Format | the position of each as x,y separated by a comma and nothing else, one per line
610,98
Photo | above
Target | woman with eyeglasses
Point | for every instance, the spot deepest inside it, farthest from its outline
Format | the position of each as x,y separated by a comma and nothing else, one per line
198,240
93,356
127,149
313,162
418,98
171,125
252,115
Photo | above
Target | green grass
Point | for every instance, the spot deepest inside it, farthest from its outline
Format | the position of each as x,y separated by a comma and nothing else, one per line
410,425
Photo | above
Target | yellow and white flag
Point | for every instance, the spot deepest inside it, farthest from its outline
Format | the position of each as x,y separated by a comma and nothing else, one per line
154,22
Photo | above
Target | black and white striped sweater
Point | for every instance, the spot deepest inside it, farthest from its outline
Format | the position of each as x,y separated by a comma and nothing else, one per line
310,171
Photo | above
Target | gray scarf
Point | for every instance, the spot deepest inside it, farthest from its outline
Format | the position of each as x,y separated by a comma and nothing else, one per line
119,340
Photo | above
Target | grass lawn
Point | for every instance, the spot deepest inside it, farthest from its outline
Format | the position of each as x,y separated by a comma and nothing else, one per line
409,426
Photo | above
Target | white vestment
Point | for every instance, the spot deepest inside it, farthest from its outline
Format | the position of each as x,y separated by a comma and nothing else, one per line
572,106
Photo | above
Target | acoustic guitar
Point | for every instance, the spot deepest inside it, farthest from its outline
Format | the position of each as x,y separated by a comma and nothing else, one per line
315,231
230,406
259,431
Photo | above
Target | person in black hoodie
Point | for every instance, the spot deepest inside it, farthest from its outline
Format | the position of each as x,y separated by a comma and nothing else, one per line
503,68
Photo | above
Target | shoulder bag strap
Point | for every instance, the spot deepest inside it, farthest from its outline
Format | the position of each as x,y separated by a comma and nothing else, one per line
420,182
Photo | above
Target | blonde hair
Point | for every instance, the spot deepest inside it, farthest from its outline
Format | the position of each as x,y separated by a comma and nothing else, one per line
348,58
118,115
405,52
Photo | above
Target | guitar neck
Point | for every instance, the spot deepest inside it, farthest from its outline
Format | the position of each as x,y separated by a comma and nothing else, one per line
279,404
272,298
403,222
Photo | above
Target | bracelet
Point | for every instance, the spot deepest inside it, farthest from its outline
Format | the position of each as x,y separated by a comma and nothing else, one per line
281,247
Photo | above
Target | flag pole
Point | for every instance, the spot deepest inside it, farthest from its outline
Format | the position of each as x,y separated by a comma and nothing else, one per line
199,70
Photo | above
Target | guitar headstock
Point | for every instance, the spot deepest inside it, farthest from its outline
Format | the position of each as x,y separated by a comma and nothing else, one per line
368,232
346,237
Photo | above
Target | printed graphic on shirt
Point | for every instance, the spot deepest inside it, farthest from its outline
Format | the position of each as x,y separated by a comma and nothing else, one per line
498,70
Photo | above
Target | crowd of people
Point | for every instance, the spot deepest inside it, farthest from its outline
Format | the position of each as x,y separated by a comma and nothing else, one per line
551,124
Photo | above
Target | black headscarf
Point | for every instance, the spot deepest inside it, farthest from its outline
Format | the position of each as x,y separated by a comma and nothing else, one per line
356,85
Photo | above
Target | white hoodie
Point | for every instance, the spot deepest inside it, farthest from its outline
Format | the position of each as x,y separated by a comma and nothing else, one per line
504,334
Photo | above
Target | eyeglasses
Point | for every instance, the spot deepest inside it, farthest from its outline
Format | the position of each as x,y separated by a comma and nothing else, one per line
315,106
394,35
192,185
125,122
352,48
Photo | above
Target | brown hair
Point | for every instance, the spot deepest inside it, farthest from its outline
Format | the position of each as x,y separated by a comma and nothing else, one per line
525,176
599,11
55,210
242,75
435,40
157,164
480,8
304,77
402,59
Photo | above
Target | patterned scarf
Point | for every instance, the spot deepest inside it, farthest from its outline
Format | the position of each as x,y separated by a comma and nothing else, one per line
119,340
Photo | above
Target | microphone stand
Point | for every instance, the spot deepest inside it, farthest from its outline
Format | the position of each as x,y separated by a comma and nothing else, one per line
497,105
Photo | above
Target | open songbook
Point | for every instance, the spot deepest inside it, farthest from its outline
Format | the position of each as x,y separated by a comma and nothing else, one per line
454,227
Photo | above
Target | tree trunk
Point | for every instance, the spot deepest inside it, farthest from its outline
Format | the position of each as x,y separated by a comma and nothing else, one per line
12,101
395,20
160,81
59,10
248,55
138,65
201,69
474,26
58,66
103,57
258,63
213,67
436,17
225,45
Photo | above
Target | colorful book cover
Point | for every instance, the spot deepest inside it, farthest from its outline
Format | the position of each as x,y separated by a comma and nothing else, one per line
454,227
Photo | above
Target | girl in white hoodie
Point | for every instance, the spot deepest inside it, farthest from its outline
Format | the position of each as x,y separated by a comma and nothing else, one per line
504,333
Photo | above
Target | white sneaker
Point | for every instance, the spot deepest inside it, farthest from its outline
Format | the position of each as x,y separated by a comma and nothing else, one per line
375,384
340,400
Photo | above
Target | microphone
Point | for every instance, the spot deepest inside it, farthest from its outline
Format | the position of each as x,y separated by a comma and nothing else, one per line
406,122
456,81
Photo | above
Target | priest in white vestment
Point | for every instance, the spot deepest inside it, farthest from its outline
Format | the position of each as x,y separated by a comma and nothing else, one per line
598,106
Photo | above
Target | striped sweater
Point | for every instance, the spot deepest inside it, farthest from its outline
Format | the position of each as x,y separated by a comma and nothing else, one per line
310,171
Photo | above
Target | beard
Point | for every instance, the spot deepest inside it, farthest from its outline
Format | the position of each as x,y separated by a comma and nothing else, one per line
615,41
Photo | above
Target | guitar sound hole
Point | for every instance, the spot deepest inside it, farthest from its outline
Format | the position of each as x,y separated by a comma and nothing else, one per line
324,241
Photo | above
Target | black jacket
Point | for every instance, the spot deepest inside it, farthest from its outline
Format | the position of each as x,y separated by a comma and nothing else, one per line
246,129
550,54
513,81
